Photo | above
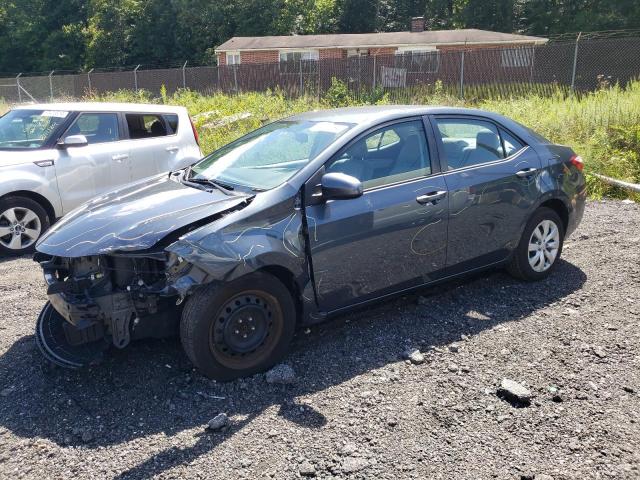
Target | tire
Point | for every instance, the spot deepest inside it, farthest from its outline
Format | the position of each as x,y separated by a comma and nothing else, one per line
26,215
239,328
520,265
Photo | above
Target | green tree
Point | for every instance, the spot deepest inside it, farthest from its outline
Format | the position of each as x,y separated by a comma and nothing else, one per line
357,16
109,30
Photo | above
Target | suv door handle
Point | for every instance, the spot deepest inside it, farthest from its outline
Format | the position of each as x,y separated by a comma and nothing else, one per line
432,197
119,157
172,149
526,172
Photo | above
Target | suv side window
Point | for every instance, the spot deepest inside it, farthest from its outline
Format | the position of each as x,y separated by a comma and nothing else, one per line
97,127
172,122
391,154
469,142
146,125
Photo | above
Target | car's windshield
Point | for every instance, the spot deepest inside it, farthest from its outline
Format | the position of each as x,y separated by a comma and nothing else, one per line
269,156
28,129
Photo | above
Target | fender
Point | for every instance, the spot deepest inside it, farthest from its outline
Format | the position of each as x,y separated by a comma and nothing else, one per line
32,178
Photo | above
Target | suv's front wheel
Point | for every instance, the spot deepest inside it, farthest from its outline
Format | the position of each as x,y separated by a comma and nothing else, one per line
238,328
22,221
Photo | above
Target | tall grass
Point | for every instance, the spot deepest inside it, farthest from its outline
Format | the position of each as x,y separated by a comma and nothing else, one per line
602,126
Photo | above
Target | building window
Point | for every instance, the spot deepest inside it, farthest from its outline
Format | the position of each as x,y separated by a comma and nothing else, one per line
357,52
291,61
517,57
233,58
418,60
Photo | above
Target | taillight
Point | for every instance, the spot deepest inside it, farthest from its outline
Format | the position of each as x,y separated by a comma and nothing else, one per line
577,162
195,132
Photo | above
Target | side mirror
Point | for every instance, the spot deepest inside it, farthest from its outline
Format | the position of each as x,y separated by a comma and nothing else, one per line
340,186
73,141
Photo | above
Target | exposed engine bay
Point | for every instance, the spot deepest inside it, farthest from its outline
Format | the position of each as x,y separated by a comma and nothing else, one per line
112,299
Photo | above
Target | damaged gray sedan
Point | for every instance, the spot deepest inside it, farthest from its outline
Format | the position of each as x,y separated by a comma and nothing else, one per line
298,220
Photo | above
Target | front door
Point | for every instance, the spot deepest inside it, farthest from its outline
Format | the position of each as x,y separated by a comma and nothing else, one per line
394,236
101,165
493,182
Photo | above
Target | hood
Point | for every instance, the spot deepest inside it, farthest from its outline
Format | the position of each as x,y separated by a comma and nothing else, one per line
134,217
10,158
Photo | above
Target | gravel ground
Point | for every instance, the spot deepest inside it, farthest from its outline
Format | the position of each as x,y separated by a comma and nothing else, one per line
357,408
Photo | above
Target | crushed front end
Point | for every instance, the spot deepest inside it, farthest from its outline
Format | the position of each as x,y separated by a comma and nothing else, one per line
100,300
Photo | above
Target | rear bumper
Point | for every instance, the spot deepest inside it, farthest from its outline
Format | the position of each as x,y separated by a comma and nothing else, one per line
577,211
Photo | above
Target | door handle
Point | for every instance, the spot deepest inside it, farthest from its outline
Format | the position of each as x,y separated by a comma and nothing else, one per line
526,172
432,197
120,157
172,149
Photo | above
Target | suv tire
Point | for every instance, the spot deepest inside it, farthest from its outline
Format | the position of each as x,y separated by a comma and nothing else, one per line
22,222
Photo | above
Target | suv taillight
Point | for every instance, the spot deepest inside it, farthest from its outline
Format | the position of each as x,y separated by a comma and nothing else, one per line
195,132
577,162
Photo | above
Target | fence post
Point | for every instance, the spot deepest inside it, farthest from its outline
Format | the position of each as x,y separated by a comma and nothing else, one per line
462,75
135,77
51,85
19,89
184,75
374,71
235,76
301,81
575,63
89,79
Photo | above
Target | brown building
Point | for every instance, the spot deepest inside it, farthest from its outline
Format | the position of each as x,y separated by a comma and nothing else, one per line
415,43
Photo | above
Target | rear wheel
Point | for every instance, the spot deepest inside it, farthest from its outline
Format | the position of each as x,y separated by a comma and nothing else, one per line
537,254
22,221
240,328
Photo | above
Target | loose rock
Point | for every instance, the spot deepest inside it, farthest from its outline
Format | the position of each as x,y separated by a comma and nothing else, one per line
515,391
414,356
281,374
218,422
307,469
353,465
599,352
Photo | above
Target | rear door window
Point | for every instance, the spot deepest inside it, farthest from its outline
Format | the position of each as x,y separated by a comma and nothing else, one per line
96,127
147,125
468,142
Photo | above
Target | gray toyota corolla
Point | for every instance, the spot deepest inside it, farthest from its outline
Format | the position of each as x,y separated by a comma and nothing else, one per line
301,219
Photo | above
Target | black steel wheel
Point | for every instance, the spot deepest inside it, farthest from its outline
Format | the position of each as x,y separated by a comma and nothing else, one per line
240,328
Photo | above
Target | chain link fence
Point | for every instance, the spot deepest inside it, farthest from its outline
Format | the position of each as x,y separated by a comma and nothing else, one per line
579,65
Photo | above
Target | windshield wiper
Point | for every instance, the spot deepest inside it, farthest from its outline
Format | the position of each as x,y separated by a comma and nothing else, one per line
226,189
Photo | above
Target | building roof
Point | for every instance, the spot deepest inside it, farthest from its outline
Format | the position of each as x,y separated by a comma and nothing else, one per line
373,40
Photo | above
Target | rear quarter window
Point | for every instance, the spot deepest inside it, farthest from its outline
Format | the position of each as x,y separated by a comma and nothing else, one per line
172,122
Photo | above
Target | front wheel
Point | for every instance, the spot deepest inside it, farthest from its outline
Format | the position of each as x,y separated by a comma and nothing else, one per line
22,221
238,328
538,252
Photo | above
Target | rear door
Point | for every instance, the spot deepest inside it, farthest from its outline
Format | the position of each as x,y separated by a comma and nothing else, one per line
493,182
153,142
394,236
103,164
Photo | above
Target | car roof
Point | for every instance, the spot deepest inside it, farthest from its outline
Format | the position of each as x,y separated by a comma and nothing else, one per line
381,113
103,107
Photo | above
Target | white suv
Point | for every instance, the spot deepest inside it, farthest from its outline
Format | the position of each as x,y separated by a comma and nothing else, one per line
54,157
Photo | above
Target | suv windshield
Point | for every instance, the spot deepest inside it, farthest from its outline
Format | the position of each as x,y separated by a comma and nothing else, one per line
269,156
28,129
